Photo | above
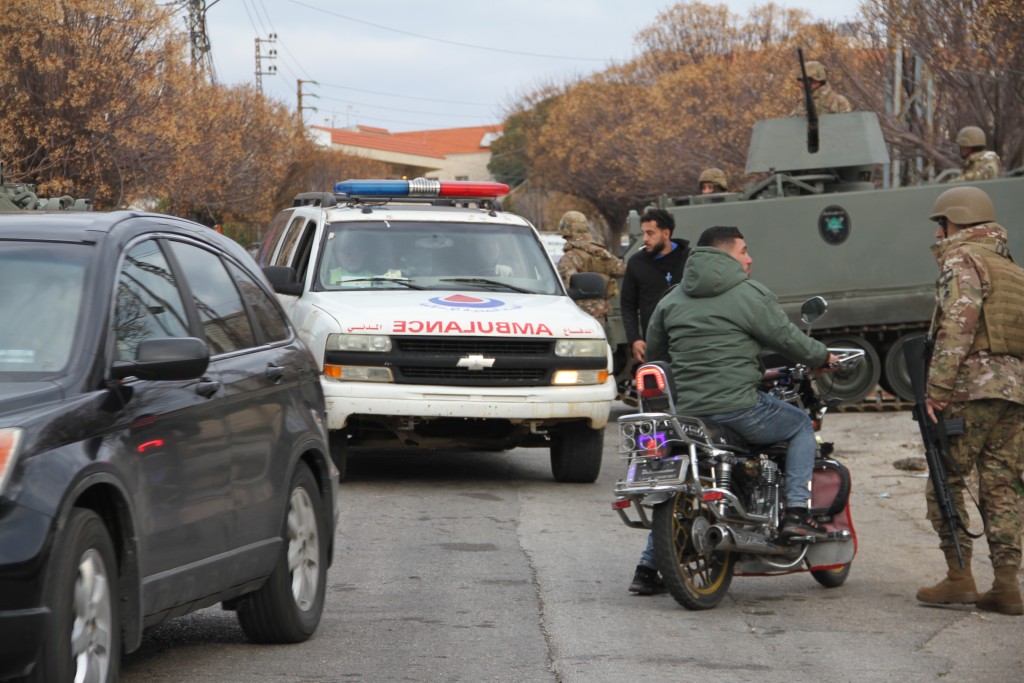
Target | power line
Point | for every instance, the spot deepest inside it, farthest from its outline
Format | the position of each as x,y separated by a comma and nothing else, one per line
408,97
405,111
448,42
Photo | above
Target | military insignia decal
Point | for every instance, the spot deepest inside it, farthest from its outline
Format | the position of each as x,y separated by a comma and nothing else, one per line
834,224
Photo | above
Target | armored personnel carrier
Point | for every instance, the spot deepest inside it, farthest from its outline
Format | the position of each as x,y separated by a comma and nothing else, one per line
24,197
817,224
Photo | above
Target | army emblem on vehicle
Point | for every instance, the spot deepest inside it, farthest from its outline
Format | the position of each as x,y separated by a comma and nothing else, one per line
834,224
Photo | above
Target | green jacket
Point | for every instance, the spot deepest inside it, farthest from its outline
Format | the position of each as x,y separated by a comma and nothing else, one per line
712,330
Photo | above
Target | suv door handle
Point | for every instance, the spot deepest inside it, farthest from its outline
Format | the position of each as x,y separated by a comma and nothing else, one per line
207,389
274,373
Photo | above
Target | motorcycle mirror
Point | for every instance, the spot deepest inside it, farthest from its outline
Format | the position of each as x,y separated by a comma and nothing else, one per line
812,309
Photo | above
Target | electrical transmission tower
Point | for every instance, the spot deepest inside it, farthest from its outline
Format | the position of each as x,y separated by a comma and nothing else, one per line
271,54
198,39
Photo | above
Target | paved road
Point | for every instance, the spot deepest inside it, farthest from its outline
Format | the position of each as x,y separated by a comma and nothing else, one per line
478,567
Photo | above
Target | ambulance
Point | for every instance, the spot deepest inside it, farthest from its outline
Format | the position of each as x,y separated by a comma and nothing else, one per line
438,321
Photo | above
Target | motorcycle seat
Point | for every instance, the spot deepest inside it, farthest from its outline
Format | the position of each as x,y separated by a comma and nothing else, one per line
724,438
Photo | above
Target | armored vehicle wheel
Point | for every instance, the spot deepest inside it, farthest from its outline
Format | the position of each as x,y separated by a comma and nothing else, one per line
853,384
832,578
697,580
895,376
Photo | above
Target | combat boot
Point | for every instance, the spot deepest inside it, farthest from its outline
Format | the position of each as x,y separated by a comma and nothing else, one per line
957,588
1005,594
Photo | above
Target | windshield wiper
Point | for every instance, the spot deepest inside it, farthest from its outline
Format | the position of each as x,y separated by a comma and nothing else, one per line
485,281
399,281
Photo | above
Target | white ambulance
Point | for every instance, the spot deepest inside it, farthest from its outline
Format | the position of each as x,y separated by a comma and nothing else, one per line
439,321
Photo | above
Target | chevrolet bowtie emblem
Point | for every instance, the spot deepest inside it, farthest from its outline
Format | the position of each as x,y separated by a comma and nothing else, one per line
475,362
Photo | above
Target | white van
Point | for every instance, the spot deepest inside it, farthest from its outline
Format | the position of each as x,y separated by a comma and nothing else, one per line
439,321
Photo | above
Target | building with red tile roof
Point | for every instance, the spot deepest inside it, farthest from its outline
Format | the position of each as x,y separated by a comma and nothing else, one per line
444,154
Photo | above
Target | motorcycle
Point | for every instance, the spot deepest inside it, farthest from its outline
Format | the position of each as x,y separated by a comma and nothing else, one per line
714,502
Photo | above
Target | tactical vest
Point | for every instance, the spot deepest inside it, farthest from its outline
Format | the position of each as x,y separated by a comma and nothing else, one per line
1001,328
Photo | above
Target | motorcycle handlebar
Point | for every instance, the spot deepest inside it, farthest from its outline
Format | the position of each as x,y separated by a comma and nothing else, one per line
845,358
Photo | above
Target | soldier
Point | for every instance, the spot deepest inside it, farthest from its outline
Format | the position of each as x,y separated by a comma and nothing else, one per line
977,373
979,163
583,255
826,100
713,180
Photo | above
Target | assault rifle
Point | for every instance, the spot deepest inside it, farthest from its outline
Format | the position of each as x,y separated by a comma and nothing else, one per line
917,352
812,112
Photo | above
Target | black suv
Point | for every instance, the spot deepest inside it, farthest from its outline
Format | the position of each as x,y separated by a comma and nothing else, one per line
162,443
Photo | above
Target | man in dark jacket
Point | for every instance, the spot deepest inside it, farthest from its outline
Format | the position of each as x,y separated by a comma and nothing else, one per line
649,272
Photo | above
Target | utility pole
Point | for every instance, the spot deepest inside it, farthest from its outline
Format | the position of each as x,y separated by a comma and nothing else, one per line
199,41
301,94
271,54
912,102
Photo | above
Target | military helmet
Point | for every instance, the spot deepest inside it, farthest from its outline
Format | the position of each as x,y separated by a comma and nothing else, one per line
971,136
816,71
715,176
573,225
964,206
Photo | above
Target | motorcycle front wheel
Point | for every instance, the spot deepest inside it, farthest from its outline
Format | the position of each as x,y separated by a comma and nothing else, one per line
696,580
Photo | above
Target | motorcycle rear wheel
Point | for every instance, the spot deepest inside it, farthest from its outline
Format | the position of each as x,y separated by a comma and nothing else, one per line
696,580
832,578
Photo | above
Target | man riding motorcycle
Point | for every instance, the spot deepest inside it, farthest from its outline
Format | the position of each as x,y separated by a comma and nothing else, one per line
712,330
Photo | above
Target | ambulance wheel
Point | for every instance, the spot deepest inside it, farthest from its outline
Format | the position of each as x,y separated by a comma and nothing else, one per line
339,450
576,453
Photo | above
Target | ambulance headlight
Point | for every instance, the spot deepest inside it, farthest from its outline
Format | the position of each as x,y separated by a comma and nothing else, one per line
581,348
359,342
571,377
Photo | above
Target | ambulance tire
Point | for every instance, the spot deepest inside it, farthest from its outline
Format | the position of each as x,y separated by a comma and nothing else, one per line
576,453
339,451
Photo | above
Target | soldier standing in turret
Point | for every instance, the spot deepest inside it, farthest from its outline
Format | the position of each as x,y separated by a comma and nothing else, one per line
977,373
583,255
826,100
979,163
712,181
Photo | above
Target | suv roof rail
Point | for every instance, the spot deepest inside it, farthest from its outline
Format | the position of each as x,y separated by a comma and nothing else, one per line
315,199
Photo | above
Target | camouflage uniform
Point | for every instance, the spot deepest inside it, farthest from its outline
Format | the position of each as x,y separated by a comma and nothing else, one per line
983,165
985,388
583,255
826,101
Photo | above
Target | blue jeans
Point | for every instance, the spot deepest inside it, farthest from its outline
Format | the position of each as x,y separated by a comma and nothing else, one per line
647,556
769,421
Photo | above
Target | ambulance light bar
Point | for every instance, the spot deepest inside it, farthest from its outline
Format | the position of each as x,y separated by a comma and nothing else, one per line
420,188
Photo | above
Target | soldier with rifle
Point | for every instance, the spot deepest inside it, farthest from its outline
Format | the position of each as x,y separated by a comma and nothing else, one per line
976,374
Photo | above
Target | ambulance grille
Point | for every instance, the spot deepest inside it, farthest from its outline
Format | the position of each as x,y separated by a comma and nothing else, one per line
476,345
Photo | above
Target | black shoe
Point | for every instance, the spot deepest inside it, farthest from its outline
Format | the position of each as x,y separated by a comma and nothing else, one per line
646,582
798,523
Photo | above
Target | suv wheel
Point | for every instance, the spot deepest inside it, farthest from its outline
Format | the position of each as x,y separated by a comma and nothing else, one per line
83,641
287,608
576,453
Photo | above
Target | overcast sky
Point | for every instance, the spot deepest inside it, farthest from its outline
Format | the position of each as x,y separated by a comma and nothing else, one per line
405,65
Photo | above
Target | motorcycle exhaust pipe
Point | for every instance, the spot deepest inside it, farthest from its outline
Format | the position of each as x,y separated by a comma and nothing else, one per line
721,537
